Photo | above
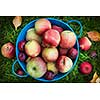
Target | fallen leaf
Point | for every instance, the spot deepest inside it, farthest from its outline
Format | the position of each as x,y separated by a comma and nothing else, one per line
17,21
95,76
94,36
98,80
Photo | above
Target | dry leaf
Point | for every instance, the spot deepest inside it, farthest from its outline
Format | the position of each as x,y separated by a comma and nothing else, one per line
17,21
95,76
94,36
98,80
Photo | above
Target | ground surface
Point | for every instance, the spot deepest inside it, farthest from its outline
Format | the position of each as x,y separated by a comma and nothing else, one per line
8,33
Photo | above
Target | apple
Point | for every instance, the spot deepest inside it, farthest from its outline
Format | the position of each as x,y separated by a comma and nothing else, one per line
63,51
49,75
52,38
85,43
59,29
50,54
8,50
19,71
64,64
36,67
51,66
21,45
85,67
72,53
93,54
32,48
42,25
44,44
22,56
68,39
32,35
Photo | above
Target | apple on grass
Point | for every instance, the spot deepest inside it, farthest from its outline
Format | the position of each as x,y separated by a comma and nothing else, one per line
64,64
32,48
19,71
32,35
8,50
50,54
42,25
85,43
52,38
85,67
36,67
68,39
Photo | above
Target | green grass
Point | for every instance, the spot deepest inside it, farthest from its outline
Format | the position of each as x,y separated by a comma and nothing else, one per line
8,34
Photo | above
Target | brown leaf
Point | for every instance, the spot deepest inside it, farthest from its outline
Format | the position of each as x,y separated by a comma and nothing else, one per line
95,76
17,21
94,36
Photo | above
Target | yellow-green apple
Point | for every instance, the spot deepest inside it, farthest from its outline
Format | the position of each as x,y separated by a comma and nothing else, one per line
64,64
51,38
85,43
42,25
51,66
59,29
68,39
50,54
36,67
32,48
72,53
32,35
8,50
85,68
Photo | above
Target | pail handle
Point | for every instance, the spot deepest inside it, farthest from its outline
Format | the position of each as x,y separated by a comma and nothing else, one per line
81,27
13,70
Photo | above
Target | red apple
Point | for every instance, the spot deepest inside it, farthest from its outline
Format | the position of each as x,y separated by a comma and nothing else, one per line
59,29
22,56
44,44
72,53
32,48
49,75
85,43
36,67
19,71
8,50
64,64
85,68
68,39
63,51
50,54
42,25
52,38
93,54
21,45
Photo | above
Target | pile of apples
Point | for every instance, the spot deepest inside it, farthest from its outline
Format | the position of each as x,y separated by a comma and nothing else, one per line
47,50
